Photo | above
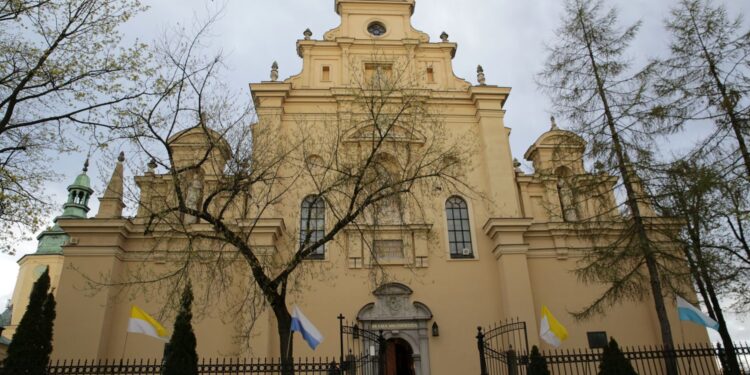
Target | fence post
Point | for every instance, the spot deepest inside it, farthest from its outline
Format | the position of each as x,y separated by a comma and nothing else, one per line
480,346
722,357
381,353
341,339
512,361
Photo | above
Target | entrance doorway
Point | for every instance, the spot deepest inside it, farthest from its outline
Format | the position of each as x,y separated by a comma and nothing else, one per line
399,357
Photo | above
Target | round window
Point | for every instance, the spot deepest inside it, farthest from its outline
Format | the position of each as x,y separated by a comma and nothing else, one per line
376,29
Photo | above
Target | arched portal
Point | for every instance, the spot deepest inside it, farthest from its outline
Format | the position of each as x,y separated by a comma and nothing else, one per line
404,324
399,357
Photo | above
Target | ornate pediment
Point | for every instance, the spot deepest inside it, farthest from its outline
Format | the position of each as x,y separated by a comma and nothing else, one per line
393,302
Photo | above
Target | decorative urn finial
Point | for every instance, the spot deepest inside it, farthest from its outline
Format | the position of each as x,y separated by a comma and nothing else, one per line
151,165
553,123
307,33
444,36
517,165
121,157
480,75
274,71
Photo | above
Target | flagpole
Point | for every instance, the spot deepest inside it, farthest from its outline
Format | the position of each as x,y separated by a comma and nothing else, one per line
124,344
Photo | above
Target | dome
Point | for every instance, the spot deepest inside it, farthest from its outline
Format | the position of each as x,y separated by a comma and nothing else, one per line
82,180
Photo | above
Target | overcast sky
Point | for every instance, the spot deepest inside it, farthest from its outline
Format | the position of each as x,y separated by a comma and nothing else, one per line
505,36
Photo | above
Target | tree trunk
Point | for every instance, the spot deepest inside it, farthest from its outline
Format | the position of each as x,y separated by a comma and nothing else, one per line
286,349
732,362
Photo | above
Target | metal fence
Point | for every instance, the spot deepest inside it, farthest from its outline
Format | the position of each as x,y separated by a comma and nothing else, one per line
317,366
700,359
362,350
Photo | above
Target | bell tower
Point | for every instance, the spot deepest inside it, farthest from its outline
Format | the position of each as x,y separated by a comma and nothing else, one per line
79,193
49,251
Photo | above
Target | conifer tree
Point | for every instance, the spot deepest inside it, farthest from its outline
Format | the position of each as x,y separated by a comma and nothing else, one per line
707,74
29,351
537,363
614,361
612,106
182,358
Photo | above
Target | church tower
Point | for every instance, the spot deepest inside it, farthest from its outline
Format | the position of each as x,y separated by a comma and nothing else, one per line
49,251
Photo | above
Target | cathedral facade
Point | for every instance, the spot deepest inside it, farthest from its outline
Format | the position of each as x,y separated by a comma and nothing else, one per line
499,249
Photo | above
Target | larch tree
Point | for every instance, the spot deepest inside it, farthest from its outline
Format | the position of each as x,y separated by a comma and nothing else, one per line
707,74
607,102
694,193
63,71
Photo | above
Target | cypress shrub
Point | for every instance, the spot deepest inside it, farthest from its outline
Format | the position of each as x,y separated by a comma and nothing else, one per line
537,363
30,349
181,357
614,361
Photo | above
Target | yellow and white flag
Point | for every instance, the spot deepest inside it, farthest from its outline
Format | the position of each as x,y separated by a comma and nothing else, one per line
550,329
140,322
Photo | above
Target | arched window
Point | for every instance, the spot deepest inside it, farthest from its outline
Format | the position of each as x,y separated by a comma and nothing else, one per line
312,224
459,230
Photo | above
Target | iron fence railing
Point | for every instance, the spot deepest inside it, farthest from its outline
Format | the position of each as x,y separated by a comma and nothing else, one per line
695,359
316,366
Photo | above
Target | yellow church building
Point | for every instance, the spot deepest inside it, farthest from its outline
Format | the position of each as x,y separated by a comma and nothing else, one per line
496,245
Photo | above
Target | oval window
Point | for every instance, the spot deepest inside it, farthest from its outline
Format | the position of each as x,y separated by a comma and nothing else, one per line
376,29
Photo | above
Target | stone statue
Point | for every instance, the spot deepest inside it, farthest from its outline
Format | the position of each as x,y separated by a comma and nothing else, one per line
192,200
480,75
274,71
553,123
567,202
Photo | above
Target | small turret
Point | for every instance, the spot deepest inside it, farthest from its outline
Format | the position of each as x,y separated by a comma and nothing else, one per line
79,193
51,240
111,204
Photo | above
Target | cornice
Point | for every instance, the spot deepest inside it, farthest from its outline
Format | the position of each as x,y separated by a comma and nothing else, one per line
493,226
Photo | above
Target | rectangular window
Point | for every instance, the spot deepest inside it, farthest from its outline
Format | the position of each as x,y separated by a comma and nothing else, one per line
326,73
430,75
378,73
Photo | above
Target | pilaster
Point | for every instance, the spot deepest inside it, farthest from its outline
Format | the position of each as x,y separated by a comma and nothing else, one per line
510,250
495,149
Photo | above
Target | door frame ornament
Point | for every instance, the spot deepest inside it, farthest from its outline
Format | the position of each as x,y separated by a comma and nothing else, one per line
397,316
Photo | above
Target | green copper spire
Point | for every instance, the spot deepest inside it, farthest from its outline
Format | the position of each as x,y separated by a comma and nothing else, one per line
52,239
78,196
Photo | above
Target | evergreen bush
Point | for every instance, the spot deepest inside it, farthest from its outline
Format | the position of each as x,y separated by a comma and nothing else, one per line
614,361
30,349
181,357
537,363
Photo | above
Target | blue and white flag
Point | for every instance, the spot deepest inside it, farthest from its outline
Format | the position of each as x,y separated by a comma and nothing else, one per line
691,313
301,324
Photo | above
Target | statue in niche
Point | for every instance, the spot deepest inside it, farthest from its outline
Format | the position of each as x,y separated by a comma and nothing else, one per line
193,198
567,201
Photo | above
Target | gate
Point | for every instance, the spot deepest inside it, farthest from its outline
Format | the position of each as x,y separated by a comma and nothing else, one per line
499,346
362,351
